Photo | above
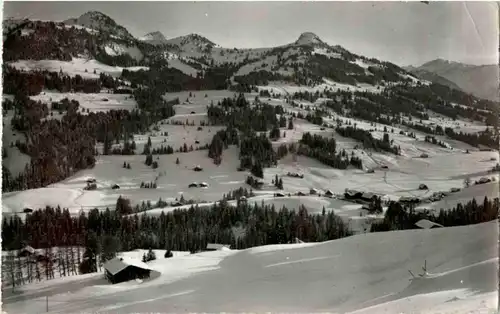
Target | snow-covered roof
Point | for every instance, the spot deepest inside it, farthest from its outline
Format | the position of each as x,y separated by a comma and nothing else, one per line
368,195
118,264
216,246
427,224
28,249
351,192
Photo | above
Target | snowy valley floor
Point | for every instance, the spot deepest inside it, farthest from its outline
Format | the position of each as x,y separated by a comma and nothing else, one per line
364,273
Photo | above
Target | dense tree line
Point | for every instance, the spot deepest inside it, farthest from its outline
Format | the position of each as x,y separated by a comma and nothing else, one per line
166,79
181,229
237,113
433,140
369,142
486,138
324,150
401,217
237,194
439,98
34,82
256,151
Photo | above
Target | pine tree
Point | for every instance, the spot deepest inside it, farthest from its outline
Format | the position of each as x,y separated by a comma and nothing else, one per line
151,255
110,246
168,254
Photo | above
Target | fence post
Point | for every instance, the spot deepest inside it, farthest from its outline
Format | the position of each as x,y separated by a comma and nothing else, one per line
47,303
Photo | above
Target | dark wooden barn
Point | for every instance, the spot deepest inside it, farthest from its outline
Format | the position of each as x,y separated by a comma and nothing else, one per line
124,269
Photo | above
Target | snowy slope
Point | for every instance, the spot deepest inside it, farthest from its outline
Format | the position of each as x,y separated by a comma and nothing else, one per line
154,38
368,273
78,66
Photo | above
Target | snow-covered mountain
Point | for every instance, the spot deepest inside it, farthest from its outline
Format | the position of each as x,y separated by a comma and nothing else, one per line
309,39
154,38
479,80
307,60
100,22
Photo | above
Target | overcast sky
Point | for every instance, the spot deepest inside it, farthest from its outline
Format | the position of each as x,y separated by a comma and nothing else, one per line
403,33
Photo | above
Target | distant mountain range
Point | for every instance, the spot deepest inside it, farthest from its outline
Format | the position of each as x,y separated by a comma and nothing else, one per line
308,60
479,80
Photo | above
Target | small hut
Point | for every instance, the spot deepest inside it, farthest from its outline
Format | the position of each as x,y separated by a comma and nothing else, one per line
122,269
217,247
313,191
198,168
423,187
26,251
427,224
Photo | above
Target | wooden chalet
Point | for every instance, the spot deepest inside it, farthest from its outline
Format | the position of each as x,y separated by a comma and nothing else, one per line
122,269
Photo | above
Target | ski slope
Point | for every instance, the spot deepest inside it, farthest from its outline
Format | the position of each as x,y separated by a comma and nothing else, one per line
360,274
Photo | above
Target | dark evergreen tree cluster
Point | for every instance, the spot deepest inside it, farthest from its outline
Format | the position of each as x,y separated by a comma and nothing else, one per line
237,113
253,182
148,185
150,256
237,194
49,41
220,141
34,81
278,182
486,138
402,217
433,140
315,118
324,150
65,105
179,230
58,148
369,142
257,150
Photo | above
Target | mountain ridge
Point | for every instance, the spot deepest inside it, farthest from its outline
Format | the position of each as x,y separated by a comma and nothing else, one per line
479,80
307,60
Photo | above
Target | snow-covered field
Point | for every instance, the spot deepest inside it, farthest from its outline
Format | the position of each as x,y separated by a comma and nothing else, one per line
92,102
78,66
287,89
442,170
360,274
